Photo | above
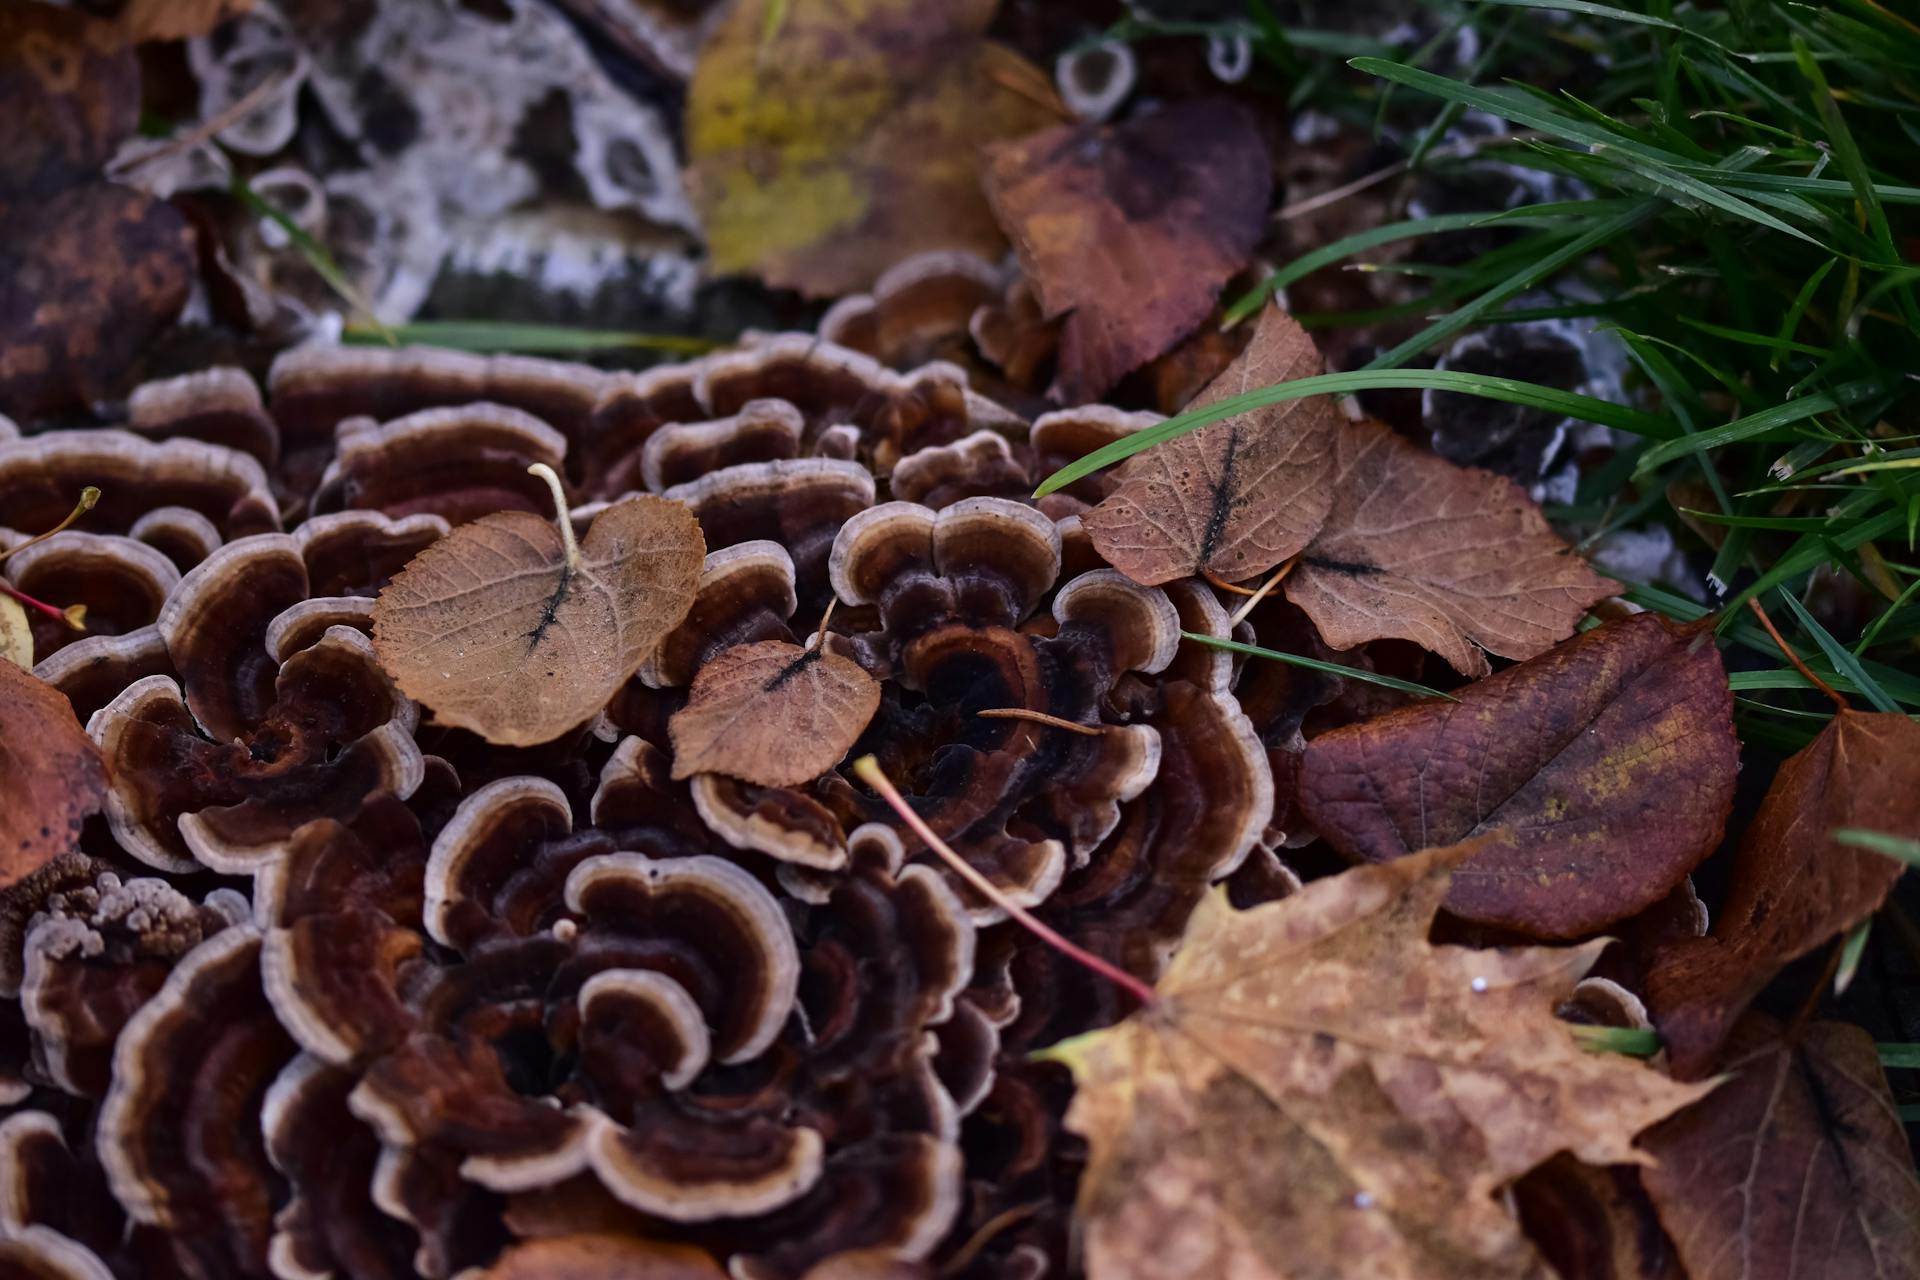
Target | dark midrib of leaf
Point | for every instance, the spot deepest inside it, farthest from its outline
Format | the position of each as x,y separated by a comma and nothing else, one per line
792,670
1352,568
551,610
1222,497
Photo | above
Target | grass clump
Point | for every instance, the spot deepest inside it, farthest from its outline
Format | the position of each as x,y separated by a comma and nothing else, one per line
1742,223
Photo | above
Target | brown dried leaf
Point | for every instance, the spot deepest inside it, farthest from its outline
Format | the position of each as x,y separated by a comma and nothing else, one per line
1129,231
772,713
601,1257
492,630
69,93
1318,1090
93,270
830,140
100,269
16,634
1793,887
1588,781
1798,1167
1232,499
51,774
1452,558
143,20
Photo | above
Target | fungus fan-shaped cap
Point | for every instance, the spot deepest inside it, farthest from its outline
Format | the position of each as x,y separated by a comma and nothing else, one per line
221,405
763,431
314,388
458,462
732,915
41,476
746,593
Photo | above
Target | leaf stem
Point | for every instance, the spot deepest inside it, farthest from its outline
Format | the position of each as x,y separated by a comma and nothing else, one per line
562,514
1253,601
1753,603
88,496
1038,717
73,615
868,770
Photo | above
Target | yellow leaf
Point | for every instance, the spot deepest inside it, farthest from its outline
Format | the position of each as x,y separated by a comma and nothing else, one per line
1318,1091
831,138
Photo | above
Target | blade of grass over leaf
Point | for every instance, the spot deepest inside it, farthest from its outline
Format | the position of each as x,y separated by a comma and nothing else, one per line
1634,1042
533,339
1533,395
1315,664
1907,851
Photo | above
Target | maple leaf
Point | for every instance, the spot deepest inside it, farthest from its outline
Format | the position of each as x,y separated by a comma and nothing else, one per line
51,774
1794,886
772,713
1589,781
508,628
1455,559
1318,1091
1175,202
1235,498
830,141
1798,1168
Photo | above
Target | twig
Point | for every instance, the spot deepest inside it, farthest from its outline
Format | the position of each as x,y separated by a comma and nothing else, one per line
230,114
1812,679
1253,601
88,496
868,770
1224,585
979,1240
74,615
1038,717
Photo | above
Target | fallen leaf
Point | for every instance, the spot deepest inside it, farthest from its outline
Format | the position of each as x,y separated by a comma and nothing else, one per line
69,92
601,1257
1589,781
829,141
1452,558
494,631
1317,1090
93,270
98,271
51,774
772,713
1131,230
1235,498
1798,1167
143,20
16,634
1793,886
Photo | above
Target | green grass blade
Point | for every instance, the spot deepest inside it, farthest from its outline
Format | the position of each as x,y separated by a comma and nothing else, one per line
1765,425
1840,656
533,339
1519,282
1533,395
1253,299
1634,1042
1899,847
1314,664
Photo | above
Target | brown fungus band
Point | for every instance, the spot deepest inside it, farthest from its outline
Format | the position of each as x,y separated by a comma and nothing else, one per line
337,986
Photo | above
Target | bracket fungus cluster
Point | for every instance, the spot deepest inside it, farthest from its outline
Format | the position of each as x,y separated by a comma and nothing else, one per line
482,878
